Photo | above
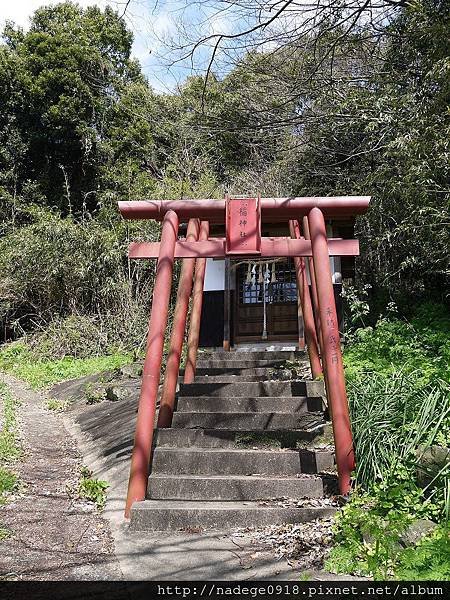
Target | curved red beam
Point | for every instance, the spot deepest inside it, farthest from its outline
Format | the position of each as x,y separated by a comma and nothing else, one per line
272,209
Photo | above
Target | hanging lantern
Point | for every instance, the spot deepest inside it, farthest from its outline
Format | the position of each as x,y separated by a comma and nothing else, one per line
274,276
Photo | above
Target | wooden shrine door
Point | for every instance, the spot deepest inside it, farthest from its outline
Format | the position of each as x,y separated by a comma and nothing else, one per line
265,287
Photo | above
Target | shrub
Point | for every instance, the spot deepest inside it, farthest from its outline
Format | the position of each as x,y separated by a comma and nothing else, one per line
368,538
57,405
422,344
399,397
78,271
429,560
54,264
77,336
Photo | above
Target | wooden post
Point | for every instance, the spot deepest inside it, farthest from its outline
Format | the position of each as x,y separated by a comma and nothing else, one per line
332,355
178,330
227,306
145,423
196,310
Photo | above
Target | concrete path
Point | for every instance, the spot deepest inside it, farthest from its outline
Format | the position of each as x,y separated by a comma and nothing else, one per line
53,534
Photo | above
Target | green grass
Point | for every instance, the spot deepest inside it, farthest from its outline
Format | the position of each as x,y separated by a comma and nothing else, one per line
392,416
8,483
9,444
18,360
10,449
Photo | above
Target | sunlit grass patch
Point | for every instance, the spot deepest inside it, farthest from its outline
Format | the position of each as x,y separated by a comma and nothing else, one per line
18,359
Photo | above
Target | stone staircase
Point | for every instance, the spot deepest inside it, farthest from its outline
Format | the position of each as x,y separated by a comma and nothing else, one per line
244,449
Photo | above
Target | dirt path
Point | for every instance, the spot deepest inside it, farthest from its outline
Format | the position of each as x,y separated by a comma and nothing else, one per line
54,534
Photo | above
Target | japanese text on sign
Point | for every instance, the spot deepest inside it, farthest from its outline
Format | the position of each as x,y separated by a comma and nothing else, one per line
243,226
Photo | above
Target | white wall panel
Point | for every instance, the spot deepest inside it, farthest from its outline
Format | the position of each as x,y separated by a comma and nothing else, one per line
215,275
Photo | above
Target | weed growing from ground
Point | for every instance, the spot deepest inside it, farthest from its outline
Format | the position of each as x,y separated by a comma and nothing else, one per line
95,393
57,405
8,483
92,489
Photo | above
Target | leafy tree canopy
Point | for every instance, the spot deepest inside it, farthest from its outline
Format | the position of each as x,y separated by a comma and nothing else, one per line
58,85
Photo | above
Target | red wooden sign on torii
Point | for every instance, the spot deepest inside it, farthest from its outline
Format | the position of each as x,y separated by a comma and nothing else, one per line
242,218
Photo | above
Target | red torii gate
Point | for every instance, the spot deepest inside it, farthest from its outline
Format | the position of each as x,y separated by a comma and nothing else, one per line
243,217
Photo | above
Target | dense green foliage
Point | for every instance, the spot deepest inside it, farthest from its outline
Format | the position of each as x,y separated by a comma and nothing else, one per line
80,129
392,416
368,542
399,395
421,343
428,560
57,84
388,136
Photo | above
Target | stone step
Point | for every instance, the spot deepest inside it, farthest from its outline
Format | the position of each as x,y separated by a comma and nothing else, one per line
231,378
211,488
163,515
289,404
252,389
253,355
229,438
221,371
213,461
246,421
205,364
